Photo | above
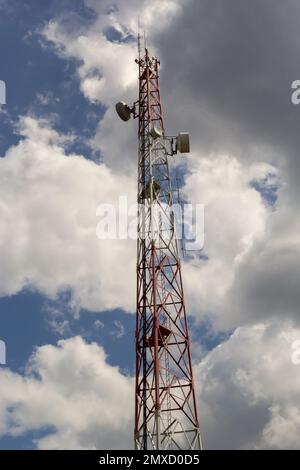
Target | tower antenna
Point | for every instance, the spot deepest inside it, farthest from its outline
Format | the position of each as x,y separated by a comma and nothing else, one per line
139,38
166,415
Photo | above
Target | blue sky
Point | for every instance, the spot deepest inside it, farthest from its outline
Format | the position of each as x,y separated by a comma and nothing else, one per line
30,70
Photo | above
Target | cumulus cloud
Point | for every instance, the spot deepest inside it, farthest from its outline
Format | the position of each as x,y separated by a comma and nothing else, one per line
232,87
228,90
71,389
227,70
238,72
252,244
235,218
248,390
54,234
267,282
48,223
106,48
105,51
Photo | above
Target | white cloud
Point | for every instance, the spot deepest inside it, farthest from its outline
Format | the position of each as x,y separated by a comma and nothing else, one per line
251,249
267,281
248,390
249,387
235,217
233,100
50,240
119,330
51,244
48,223
107,66
243,237
107,72
252,269
283,430
72,389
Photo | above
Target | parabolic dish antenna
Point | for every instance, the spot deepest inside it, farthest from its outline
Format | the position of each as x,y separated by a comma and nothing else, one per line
123,111
155,132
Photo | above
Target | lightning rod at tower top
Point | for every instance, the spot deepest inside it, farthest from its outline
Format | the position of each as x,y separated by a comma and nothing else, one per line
166,415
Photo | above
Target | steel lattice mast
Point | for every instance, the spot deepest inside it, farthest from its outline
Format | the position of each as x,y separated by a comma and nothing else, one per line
165,404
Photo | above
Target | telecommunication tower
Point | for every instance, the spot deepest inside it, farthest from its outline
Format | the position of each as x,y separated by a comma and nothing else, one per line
165,404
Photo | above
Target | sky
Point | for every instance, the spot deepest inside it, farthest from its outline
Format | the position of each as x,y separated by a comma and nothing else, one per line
67,299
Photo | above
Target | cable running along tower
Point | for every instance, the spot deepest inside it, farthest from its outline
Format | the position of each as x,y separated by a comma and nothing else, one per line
165,404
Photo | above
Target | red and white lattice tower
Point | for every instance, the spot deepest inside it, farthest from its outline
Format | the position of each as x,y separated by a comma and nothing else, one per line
165,403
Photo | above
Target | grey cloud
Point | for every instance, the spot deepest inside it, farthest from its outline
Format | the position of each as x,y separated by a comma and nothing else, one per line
228,69
237,60
266,285
248,392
